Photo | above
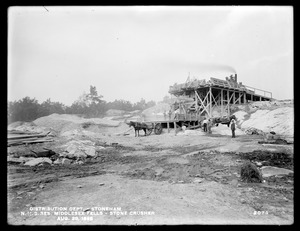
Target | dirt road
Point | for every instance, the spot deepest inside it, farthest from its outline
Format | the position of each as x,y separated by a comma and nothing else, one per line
159,179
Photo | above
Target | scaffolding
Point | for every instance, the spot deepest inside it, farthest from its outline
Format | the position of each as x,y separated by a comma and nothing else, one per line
198,98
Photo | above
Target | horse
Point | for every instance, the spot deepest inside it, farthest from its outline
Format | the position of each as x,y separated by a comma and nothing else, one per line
137,127
224,120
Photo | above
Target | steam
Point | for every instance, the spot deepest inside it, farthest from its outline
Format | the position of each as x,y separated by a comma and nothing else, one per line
214,68
200,68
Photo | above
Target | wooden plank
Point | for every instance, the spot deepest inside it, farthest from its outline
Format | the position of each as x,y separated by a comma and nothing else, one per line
12,137
29,142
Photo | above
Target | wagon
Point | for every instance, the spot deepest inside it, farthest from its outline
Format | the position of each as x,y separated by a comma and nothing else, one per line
150,126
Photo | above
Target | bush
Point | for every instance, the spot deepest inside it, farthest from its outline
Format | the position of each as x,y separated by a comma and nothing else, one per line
250,173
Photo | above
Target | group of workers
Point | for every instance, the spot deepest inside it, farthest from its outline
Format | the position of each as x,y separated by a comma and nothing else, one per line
208,123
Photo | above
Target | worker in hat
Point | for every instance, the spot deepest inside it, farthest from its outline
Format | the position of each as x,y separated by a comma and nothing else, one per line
232,126
209,125
204,122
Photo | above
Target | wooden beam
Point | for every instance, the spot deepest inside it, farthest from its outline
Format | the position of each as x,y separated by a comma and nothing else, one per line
168,125
239,99
196,107
214,99
228,101
210,103
202,104
233,97
175,128
222,110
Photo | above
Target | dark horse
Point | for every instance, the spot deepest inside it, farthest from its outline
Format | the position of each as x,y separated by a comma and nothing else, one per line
137,127
223,120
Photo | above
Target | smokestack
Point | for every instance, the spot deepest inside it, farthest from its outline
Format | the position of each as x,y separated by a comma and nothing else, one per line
235,77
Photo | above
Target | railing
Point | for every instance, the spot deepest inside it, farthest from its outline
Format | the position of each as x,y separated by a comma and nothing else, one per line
260,92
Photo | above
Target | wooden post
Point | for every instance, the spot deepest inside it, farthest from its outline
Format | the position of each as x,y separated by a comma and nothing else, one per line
233,97
240,97
168,125
245,97
260,98
196,106
228,102
210,103
251,97
175,128
222,110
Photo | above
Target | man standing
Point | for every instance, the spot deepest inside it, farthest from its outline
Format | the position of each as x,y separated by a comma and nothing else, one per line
205,125
232,126
209,125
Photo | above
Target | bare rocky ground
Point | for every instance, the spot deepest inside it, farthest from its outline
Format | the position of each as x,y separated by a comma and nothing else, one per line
189,179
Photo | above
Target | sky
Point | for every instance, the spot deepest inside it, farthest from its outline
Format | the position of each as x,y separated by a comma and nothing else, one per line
134,52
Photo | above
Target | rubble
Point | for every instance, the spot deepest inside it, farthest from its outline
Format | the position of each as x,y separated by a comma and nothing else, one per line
253,131
80,148
38,161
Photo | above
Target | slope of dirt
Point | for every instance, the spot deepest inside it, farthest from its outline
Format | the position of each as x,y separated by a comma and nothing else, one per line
156,112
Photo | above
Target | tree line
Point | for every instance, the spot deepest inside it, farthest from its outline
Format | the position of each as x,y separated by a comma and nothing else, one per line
88,105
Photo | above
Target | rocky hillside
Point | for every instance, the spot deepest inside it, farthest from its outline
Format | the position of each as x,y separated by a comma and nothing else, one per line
277,116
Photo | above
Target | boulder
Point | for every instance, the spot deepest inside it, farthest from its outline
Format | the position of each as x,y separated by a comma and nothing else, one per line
66,161
12,160
26,159
80,148
274,171
250,173
58,161
90,151
37,161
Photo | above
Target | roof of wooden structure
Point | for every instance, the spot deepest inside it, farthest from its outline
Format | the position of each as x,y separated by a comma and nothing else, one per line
229,83
196,84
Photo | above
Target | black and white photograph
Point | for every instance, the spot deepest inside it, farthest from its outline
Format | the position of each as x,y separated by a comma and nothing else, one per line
150,115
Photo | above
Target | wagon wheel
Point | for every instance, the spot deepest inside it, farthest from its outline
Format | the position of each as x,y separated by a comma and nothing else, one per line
148,131
158,129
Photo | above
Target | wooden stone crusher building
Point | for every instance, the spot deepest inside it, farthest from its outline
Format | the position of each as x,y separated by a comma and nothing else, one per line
212,98
197,99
